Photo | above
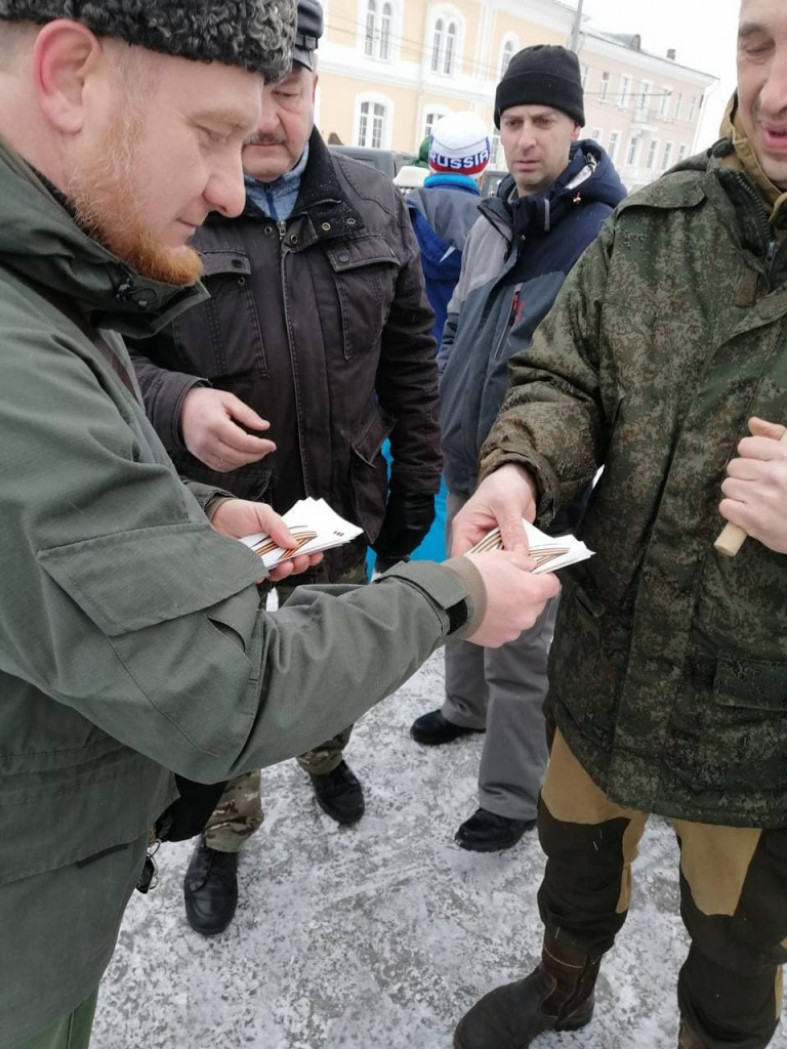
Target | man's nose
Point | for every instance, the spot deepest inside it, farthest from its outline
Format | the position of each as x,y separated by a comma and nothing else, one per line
226,191
772,99
269,118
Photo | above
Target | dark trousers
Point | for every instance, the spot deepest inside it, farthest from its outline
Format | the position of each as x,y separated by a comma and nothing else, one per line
733,889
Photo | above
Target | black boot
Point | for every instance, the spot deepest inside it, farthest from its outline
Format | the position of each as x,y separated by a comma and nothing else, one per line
557,996
487,832
339,794
434,728
210,889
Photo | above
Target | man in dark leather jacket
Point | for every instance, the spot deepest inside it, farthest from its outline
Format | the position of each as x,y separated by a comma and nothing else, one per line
317,335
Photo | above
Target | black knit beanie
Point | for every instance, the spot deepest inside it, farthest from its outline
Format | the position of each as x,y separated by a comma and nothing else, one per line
254,34
543,75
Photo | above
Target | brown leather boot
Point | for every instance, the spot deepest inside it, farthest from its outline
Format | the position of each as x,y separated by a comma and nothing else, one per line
557,996
687,1039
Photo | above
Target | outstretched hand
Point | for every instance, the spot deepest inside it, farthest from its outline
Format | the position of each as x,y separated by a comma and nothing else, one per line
515,597
209,425
755,489
238,517
502,499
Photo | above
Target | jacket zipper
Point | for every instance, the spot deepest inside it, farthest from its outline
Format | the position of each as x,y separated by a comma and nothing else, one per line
764,221
515,301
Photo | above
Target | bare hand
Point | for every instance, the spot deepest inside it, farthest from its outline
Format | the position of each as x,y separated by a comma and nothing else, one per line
755,488
239,517
207,422
503,498
515,597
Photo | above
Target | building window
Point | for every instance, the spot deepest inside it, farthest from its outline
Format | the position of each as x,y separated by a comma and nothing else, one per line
652,151
506,56
682,151
602,95
596,136
633,150
643,102
495,150
614,141
385,33
664,101
678,105
372,118
692,109
431,116
377,33
585,75
445,46
625,91
666,160
371,25
450,49
437,44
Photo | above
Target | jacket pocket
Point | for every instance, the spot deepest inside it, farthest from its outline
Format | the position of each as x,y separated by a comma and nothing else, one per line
582,672
222,337
743,744
364,275
369,473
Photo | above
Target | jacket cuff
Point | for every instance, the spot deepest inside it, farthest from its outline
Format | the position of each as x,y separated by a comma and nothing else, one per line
207,496
455,593
180,385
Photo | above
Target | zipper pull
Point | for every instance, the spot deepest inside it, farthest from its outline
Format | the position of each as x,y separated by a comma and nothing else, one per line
282,227
770,256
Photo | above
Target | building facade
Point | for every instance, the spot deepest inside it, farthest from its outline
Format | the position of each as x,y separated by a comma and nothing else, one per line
390,68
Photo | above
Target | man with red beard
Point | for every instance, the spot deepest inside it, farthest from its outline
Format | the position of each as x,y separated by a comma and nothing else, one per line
132,644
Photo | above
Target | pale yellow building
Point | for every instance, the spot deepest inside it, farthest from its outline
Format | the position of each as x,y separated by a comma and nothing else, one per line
390,68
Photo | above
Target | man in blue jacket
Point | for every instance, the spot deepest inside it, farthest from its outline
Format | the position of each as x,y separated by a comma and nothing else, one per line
527,238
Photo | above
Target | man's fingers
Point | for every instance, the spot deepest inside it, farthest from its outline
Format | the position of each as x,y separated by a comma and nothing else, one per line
512,531
763,428
244,414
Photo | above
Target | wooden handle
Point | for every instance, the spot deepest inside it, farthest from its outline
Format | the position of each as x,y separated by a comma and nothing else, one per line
732,536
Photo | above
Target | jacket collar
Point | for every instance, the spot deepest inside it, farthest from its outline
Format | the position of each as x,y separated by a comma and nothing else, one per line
321,199
41,242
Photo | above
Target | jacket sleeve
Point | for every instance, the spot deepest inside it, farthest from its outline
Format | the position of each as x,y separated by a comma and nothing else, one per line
163,390
121,602
554,419
406,382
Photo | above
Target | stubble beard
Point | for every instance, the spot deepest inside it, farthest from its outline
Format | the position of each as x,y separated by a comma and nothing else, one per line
107,207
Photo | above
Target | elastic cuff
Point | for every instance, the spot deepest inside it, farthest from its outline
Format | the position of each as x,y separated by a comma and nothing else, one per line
471,577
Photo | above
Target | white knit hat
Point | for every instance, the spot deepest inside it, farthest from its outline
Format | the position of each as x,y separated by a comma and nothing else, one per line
459,145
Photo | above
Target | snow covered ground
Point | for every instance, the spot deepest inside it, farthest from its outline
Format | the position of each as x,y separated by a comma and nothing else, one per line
377,936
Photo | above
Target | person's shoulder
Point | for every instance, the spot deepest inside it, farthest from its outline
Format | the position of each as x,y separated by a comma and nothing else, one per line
363,180
684,186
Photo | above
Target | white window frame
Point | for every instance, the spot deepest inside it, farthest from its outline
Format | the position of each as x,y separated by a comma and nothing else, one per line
508,49
495,150
606,79
624,92
653,152
632,158
373,99
666,159
585,76
643,102
682,151
446,39
437,112
614,145
597,133
678,105
664,101
380,29
692,109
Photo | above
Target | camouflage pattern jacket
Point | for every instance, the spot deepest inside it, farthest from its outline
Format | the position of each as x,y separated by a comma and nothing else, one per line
668,674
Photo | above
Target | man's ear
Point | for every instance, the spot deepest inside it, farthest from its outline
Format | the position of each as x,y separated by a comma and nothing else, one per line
576,132
65,55
314,86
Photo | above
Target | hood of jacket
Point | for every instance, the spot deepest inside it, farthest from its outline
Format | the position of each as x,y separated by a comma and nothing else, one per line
41,243
442,217
590,177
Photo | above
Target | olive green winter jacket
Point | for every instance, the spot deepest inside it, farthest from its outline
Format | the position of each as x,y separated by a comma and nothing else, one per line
668,674
131,641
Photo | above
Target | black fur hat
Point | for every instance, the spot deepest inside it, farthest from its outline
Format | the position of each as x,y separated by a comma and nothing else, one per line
255,34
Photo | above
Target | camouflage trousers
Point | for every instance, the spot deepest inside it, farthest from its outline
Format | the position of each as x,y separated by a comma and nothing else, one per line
733,890
239,811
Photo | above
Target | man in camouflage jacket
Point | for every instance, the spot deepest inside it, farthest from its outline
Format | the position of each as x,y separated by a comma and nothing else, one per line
668,674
